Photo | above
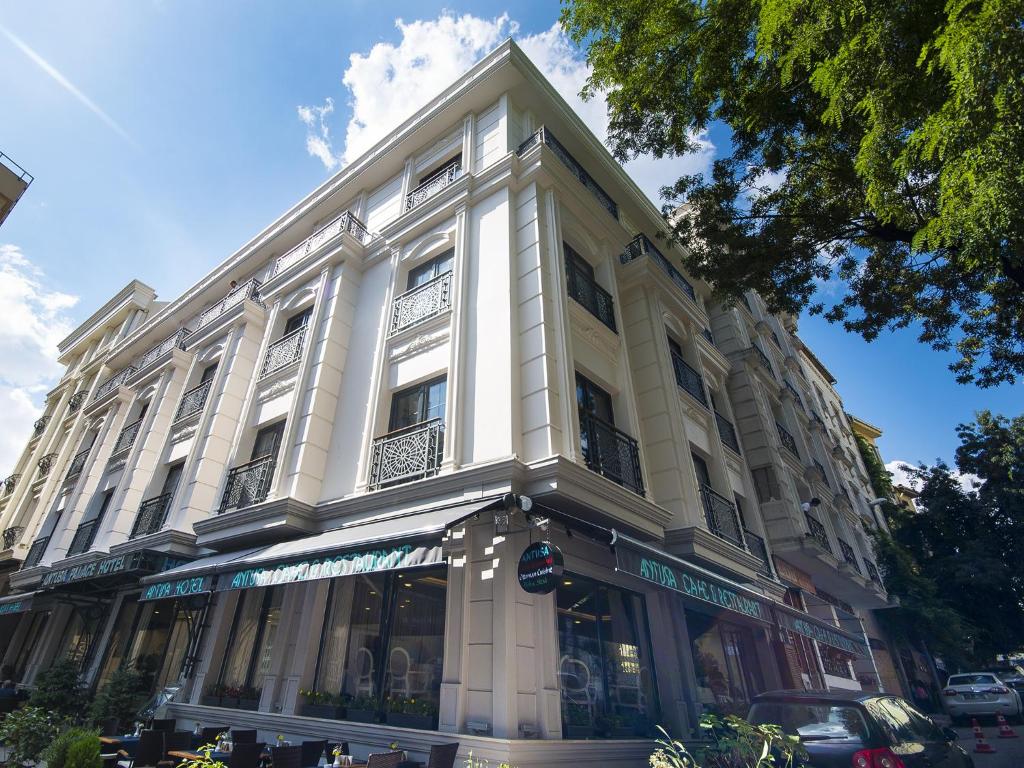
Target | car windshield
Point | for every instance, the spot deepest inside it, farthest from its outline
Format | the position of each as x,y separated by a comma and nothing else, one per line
811,720
972,680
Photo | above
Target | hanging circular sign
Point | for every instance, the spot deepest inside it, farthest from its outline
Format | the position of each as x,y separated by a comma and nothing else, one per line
540,568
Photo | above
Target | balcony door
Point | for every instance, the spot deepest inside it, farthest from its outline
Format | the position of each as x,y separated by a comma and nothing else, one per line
267,441
701,468
593,400
418,404
172,479
436,267
300,320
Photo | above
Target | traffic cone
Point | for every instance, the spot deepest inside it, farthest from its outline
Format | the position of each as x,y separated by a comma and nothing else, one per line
980,745
1005,731
976,727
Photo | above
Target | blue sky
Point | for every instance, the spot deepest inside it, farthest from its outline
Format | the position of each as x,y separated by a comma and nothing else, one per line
164,134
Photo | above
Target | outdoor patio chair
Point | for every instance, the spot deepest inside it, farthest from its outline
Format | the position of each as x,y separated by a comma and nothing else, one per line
311,752
245,755
163,724
149,752
286,757
243,737
385,760
443,755
209,734
176,741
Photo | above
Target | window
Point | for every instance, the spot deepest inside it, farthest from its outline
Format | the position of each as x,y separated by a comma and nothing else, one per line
173,478
583,288
701,468
267,441
594,400
87,529
418,404
725,664
297,321
250,645
605,669
208,373
160,640
892,719
436,267
80,634
765,484
442,170
120,636
29,643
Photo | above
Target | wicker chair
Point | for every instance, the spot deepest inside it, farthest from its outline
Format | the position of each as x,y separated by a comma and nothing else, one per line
286,757
385,760
245,755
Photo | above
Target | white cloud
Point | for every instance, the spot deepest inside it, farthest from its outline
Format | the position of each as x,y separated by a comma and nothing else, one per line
34,320
393,80
900,476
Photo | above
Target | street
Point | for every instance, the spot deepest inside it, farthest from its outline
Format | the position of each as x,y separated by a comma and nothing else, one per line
1009,753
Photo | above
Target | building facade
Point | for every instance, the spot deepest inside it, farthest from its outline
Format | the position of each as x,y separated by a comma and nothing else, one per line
452,447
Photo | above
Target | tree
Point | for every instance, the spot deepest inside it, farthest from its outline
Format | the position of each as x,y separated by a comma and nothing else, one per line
59,690
121,698
878,143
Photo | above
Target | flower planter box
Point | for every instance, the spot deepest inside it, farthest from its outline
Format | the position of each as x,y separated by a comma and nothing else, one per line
323,711
622,732
407,720
250,704
579,731
229,701
361,715
210,701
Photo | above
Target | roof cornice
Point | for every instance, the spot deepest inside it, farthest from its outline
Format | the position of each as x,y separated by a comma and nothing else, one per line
133,288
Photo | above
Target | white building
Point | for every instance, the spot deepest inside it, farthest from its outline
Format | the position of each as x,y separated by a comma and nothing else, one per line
308,472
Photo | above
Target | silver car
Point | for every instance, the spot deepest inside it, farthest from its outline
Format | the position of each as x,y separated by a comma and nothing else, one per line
974,694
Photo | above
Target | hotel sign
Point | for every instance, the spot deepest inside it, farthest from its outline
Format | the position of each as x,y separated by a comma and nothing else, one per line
674,575
108,566
15,606
187,587
817,630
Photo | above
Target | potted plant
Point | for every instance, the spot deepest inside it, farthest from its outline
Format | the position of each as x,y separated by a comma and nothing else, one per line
361,709
410,712
229,696
321,704
213,695
578,723
249,697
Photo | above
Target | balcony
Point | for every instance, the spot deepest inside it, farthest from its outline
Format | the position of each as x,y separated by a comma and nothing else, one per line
433,185
611,452
821,472
9,484
722,518
422,303
113,383
689,379
786,438
848,555
192,402
583,289
641,246
174,341
248,484
544,136
818,533
35,552
759,550
762,358
247,290
347,222
39,425
77,464
151,516
83,538
775,340
727,433
46,463
12,535
873,573
76,401
796,395
407,454
126,439
283,352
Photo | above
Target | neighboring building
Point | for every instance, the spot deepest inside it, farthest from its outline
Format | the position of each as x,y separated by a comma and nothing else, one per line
319,468
14,180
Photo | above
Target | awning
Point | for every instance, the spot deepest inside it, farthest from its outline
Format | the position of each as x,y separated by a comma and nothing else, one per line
108,573
820,630
19,603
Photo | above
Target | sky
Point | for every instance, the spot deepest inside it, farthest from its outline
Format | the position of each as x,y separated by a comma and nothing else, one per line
163,134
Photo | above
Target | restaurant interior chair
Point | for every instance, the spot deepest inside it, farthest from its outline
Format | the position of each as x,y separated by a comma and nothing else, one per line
311,752
385,760
177,741
243,737
245,755
209,734
443,755
163,724
148,754
364,665
399,664
286,757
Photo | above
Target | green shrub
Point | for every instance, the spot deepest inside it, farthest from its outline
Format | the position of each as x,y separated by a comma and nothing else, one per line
27,732
84,752
731,743
121,698
59,690
56,753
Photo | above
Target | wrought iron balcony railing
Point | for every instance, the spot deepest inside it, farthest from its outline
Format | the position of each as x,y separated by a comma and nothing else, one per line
795,393
12,535
347,222
77,463
407,454
762,358
722,518
35,552
873,573
544,136
126,439
818,532
432,186
689,379
176,339
151,516
10,482
84,536
786,438
611,452
192,402
113,383
46,463
585,290
836,667
76,401
248,484
422,303
757,547
848,555
642,246
39,425
727,432
283,352
821,472
247,290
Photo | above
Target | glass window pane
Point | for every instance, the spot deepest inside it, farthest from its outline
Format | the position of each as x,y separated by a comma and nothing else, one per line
119,638
406,409
721,659
334,638
185,619
436,394
365,650
239,647
271,620
416,650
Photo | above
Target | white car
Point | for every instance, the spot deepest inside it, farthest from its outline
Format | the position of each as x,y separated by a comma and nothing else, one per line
974,694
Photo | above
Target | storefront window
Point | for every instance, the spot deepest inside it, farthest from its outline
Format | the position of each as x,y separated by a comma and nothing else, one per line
120,635
724,662
80,634
605,669
251,642
38,622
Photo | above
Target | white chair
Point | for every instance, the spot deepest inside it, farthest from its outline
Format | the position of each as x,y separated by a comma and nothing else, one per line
364,671
399,665
575,681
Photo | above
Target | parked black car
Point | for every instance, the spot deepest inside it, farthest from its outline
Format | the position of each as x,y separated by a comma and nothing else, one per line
854,729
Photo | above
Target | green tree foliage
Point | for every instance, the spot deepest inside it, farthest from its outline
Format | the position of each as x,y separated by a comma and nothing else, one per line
59,690
120,698
27,732
56,754
84,752
876,143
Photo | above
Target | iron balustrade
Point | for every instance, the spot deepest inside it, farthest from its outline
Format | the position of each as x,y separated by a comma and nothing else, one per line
433,185
126,439
722,518
689,379
762,358
422,303
642,246
836,667
411,453
77,463
706,333
12,535
591,296
727,433
46,463
76,401
757,547
787,440
175,340
818,532
821,472
873,573
192,402
795,393
10,482
816,417
113,382
848,554
347,222
83,538
39,425
283,352
247,290
248,484
35,552
611,452
151,516
544,136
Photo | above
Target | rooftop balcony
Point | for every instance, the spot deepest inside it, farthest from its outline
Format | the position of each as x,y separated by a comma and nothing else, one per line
346,223
248,484
407,454
544,136
611,452
421,303
433,185
642,246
